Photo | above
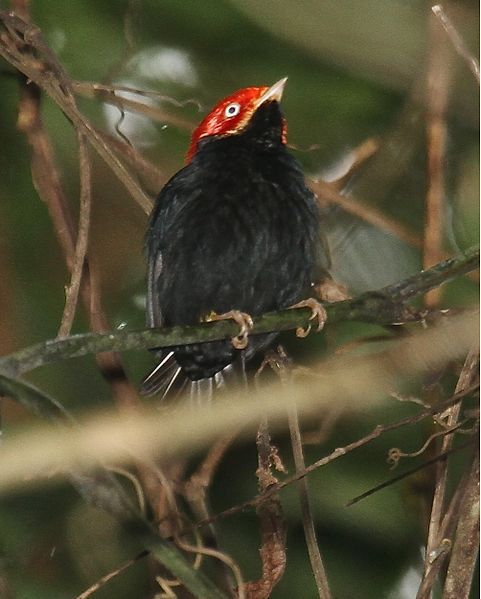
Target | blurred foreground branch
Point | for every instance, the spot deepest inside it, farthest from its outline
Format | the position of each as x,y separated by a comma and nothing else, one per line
385,306
354,383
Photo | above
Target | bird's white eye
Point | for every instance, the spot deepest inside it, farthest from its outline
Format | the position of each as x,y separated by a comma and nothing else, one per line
232,110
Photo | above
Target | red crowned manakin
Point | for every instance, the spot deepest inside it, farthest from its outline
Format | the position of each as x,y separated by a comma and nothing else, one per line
235,232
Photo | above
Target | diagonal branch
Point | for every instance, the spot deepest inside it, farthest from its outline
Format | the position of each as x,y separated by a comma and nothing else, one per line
385,306
72,291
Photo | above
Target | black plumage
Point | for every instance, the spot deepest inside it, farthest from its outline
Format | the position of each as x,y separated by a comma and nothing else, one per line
236,228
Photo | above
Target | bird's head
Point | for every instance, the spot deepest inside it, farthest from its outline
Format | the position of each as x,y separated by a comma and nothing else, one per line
231,115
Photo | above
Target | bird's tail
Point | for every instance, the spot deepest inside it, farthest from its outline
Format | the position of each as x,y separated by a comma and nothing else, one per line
168,380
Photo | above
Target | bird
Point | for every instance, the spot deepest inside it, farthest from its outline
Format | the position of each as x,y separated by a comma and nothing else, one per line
233,234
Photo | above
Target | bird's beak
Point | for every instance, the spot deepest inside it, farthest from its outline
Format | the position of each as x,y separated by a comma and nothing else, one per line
273,93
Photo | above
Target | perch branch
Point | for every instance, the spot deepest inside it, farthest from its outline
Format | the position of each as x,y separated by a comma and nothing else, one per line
385,306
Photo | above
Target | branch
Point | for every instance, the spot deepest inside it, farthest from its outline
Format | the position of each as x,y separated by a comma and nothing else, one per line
328,192
385,306
78,266
317,564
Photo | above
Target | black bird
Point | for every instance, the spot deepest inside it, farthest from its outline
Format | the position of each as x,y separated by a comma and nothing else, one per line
234,233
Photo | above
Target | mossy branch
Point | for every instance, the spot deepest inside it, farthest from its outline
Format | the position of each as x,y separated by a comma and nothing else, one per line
384,306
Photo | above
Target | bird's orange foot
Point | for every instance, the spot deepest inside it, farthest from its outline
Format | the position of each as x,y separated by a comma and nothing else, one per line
244,321
318,313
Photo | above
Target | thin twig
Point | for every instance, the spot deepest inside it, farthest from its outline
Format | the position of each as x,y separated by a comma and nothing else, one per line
195,490
329,193
395,454
441,457
146,170
315,558
72,291
283,366
108,577
202,478
359,156
222,557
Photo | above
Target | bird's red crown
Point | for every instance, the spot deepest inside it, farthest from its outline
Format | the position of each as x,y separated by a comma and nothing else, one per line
231,115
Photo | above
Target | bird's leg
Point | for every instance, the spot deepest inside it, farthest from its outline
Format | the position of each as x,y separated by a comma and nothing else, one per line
318,313
244,321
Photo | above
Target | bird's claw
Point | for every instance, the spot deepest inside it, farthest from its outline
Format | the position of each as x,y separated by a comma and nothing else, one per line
318,312
244,321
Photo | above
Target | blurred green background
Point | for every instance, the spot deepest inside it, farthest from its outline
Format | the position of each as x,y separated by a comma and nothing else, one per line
356,71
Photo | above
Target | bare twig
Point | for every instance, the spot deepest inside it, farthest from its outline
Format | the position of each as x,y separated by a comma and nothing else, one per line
465,548
387,483
395,454
72,291
307,516
283,366
329,193
223,557
438,558
195,490
360,155
108,577
146,170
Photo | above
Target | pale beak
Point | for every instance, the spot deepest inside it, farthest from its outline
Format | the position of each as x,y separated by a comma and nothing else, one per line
274,93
